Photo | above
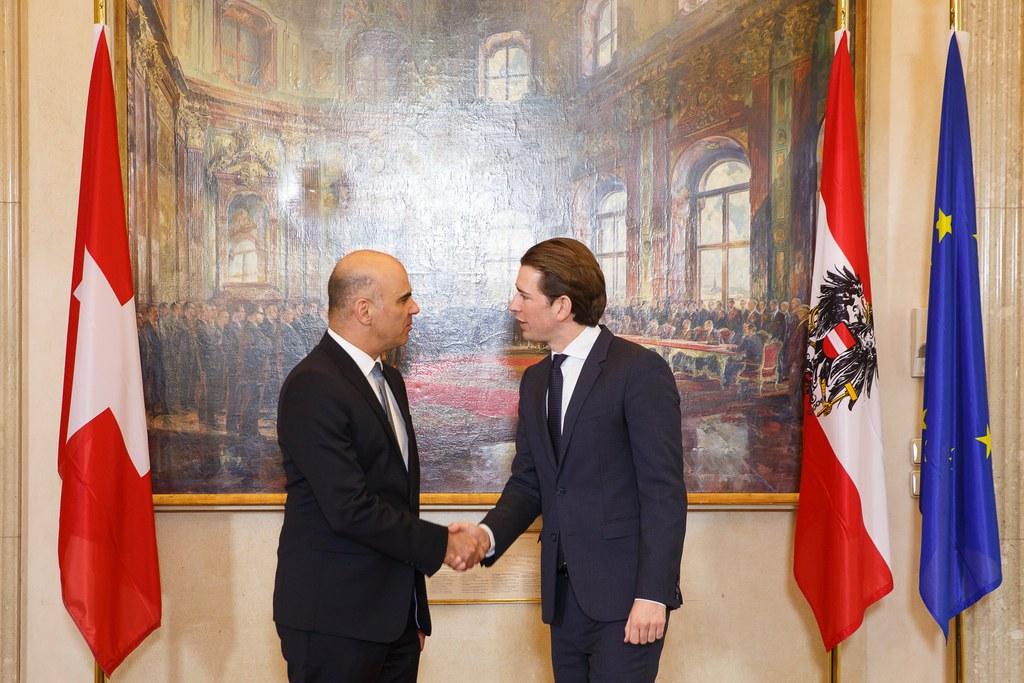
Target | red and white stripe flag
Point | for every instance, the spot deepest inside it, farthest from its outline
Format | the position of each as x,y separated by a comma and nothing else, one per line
841,557
109,574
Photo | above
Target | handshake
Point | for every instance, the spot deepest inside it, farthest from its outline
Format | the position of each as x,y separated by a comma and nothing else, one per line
467,545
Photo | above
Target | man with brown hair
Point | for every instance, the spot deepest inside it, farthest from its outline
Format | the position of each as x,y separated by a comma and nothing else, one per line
599,454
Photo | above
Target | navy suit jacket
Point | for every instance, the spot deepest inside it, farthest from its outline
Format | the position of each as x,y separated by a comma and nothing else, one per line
614,501
353,550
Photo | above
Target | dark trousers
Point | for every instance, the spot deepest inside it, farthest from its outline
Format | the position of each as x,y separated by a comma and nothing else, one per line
587,651
320,658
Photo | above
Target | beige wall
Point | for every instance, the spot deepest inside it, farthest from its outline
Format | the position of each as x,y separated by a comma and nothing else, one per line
744,618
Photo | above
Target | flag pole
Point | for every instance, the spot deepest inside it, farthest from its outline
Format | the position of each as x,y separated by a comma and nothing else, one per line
834,672
99,16
956,24
958,639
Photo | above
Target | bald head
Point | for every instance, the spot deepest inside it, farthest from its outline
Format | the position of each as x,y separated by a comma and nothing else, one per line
370,301
358,276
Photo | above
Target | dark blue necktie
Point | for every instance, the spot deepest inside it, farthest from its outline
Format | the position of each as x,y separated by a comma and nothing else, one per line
555,402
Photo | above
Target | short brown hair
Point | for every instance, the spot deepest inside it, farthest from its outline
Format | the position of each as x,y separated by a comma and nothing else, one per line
569,269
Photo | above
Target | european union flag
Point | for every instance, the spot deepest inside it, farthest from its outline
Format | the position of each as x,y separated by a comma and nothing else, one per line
960,560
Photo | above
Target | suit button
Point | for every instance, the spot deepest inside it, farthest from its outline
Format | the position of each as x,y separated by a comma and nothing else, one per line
561,491
553,535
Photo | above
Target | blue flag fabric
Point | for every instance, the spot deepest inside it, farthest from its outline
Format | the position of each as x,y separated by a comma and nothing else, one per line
960,560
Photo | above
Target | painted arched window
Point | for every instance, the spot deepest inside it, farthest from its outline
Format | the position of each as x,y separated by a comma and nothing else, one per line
246,45
606,33
375,64
723,231
599,35
609,240
246,216
505,67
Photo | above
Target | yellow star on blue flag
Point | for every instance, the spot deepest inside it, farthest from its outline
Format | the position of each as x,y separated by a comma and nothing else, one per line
986,439
944,225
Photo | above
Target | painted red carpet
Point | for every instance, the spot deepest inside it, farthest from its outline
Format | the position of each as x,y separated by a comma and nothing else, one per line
487,386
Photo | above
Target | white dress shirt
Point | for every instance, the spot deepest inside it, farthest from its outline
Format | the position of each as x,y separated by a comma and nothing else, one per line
365,364
576,353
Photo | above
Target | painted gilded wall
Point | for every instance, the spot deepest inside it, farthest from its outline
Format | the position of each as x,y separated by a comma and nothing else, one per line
218,567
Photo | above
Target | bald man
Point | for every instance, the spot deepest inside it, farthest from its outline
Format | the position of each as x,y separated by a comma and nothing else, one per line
350,600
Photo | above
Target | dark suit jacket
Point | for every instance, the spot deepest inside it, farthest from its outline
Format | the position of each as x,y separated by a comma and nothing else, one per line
616,503
353,549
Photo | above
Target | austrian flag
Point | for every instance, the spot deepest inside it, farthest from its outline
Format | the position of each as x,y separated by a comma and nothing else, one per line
841,554
107,542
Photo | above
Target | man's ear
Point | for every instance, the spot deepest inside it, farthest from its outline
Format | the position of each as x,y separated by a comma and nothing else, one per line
563,308
363,311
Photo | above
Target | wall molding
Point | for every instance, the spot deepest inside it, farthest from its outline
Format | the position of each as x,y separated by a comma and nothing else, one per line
10,342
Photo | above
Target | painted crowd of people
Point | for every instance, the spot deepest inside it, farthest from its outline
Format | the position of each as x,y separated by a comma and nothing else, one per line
226,362
746,325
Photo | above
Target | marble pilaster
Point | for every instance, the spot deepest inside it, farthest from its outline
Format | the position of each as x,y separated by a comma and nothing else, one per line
994,628
10,343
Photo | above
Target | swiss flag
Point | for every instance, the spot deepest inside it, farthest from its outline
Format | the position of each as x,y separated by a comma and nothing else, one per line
841,554
109,574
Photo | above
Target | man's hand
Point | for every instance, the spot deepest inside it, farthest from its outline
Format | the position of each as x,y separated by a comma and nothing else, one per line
646,623
423,639
467,545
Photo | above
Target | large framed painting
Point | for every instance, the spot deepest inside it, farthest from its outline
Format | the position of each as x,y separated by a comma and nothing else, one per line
267,138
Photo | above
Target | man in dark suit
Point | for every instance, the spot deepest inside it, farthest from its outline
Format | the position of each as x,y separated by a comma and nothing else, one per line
350,600
599,454
750,349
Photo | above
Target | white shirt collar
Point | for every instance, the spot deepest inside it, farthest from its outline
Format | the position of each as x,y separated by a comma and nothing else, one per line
580,346
361,358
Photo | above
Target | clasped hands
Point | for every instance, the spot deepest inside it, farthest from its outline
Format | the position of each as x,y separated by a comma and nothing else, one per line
467,545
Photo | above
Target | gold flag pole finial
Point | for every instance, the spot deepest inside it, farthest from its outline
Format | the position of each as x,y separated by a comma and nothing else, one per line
841,14
99,11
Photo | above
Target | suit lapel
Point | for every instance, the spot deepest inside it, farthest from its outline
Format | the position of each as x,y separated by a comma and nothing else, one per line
591,370
358,380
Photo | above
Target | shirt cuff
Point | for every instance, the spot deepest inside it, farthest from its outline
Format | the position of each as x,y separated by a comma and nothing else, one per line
655,602
490,535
